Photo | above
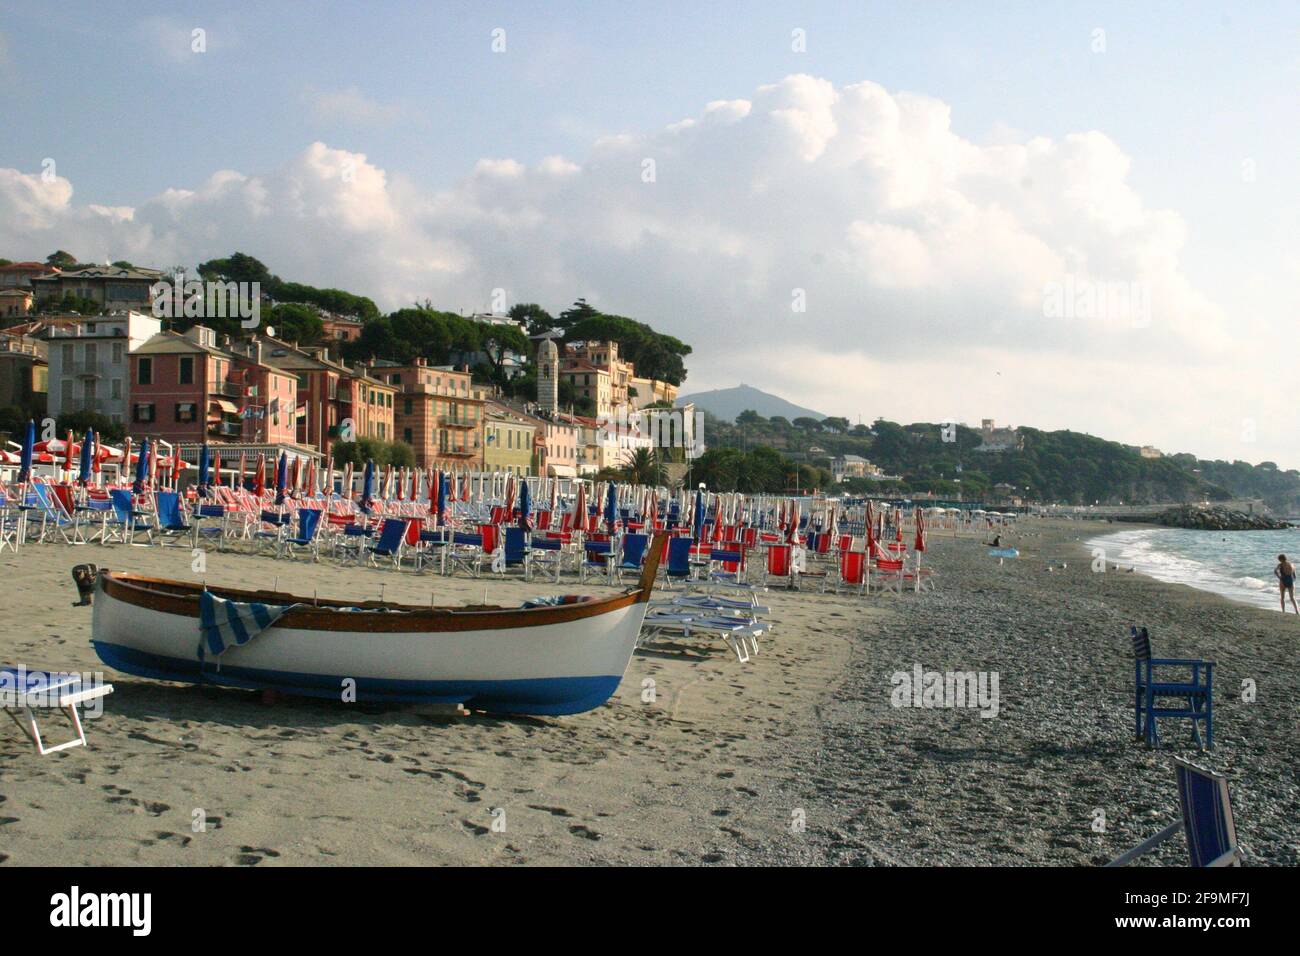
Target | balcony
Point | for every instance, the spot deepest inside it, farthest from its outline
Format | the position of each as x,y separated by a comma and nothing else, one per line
457,453
228,389
86,369
227,429
455,421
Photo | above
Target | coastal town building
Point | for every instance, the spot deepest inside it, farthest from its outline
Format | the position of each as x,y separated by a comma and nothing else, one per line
509,440
19,275
644,391
994,439
439,412
15,303
845,467
340,328
1150,451
88,362
112,288
187,388
24,374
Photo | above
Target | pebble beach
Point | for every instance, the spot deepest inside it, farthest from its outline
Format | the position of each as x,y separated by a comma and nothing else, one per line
807,754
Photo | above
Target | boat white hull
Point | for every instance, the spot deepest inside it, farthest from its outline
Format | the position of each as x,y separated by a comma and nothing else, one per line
549,668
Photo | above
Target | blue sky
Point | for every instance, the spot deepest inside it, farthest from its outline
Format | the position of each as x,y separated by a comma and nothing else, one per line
1192,94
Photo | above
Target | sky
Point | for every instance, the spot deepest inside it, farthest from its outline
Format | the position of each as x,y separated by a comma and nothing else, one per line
1061,215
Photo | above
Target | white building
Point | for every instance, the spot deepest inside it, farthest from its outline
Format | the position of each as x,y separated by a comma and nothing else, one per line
88,363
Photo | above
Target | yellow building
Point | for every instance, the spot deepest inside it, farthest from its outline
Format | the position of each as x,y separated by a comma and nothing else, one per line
508,441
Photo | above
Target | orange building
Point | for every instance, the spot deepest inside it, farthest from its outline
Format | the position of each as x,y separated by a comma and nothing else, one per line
439,412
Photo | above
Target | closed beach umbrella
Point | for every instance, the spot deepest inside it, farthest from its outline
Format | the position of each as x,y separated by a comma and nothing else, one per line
443,481
241,480
611,507
205,463
580,508
87,456
697,519
920,531
29,443
259,477
216,468
525,507
123,468
368,485
281,477
141,468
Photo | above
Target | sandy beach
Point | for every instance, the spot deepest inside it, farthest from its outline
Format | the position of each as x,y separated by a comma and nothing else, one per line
798,756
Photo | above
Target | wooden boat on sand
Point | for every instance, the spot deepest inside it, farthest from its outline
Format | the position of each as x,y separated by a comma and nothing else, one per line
555,655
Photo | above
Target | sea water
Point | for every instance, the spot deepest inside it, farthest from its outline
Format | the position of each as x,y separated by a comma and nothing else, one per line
1236,564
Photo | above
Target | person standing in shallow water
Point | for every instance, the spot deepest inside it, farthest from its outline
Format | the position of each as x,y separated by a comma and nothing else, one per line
1285,574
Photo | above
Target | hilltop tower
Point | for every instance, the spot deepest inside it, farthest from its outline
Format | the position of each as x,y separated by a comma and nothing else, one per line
548,377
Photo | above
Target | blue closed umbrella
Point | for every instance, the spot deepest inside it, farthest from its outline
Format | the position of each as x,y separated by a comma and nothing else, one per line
87,456
29,445
525,507
368,486
141,468
442,497
281,477
204,465
698,527
611,508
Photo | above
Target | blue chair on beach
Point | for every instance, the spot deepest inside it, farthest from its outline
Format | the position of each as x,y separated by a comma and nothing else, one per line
679,559
632,554
273,530
127,518
598,558
210,522
517,550
55,518
1151,685
171,523
309,521
1207,821
547,554
391,536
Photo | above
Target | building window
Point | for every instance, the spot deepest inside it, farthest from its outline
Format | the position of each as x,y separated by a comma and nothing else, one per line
117,353
142,412
144,372
116,388
408,436
185,412
186,371
407,406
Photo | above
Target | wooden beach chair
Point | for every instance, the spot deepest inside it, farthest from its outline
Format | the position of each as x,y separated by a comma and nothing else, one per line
1152,684
1207,821
24,692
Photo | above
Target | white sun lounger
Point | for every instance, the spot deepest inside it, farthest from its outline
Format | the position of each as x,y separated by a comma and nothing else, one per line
740,634
26,691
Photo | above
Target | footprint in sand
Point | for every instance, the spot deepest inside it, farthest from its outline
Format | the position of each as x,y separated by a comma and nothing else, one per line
474,828
553,811
585,832
251,855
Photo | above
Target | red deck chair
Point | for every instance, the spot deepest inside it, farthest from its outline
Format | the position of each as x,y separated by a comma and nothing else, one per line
778,565
824,543
853,571
889,571
543,520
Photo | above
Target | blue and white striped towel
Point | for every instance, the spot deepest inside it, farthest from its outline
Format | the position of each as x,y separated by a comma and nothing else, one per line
223,623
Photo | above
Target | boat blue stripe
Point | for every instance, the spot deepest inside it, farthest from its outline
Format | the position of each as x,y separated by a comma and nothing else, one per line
546,696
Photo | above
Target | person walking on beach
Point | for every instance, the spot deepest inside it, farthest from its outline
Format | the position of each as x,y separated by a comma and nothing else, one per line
1285,574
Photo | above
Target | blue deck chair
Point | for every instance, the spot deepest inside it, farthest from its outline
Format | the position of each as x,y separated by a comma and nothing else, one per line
632,554
1207,821
171,523
547,555
392,534
518,552
679,559
1195,692
465,551
210,522
103,508
273,530
597,558
309,521
433,549
128,519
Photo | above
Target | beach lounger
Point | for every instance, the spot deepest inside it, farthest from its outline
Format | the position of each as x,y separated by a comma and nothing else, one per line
128,519
631,558
1207,821
1152,683
851,572
24,692
547,556
780,566
392,534
740,634
170,522
679,560
308,537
